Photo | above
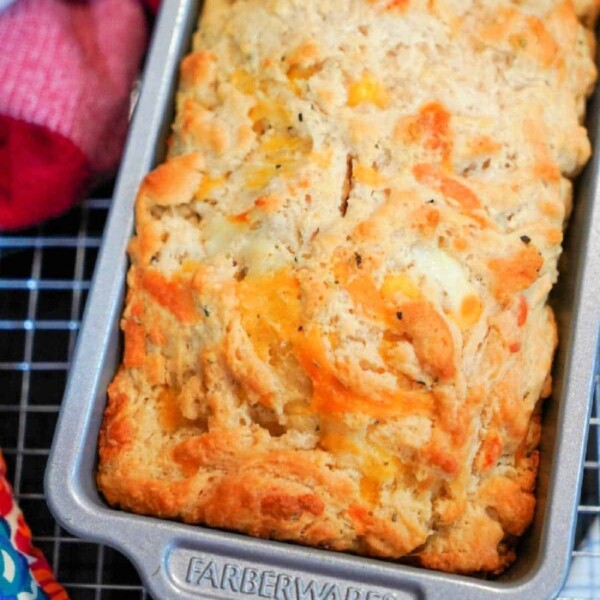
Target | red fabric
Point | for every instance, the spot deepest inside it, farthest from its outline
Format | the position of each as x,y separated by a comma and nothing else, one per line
42,173
153,5
66,68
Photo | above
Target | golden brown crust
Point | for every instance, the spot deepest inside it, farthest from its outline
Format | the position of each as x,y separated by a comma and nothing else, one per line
336,329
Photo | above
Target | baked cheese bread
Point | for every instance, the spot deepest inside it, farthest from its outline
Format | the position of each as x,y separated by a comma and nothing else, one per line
336,328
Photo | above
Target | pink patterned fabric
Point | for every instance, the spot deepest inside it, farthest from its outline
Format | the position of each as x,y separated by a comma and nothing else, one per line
68,66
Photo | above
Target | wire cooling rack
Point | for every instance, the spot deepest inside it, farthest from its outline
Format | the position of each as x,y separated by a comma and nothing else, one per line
44,280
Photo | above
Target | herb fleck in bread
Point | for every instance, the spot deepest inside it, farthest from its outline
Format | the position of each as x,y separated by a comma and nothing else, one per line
336,327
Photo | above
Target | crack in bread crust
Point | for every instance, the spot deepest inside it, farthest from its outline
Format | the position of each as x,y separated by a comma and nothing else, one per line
336,327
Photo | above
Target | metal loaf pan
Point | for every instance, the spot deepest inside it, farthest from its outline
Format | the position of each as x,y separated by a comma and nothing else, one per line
190,562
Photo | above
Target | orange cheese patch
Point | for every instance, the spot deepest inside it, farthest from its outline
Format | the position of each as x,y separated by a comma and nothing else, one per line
430,336
276,114
397,4
399,283
482,145
426,219
470,311
135,337
299,72
197,68
278,154
490,451
135,342
377,464
516,272
303,54
176,296
545,166
525,33
363,291
331,396
271,309
522,311
272,315
432,177
536,41
169,413
367,90
415,320
244,82
431,128
207,185
368,176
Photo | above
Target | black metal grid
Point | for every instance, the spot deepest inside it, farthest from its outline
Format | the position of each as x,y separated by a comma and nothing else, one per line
45,276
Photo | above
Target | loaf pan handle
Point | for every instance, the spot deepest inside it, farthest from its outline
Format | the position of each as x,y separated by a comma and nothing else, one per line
189,571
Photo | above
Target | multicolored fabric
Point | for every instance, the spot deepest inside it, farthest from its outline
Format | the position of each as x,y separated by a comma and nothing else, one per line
24,572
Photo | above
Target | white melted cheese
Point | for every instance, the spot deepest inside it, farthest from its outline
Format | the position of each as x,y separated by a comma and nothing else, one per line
256,250
441,271
261,254
219,233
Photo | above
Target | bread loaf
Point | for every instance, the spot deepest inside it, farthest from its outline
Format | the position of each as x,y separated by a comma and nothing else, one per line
336,327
